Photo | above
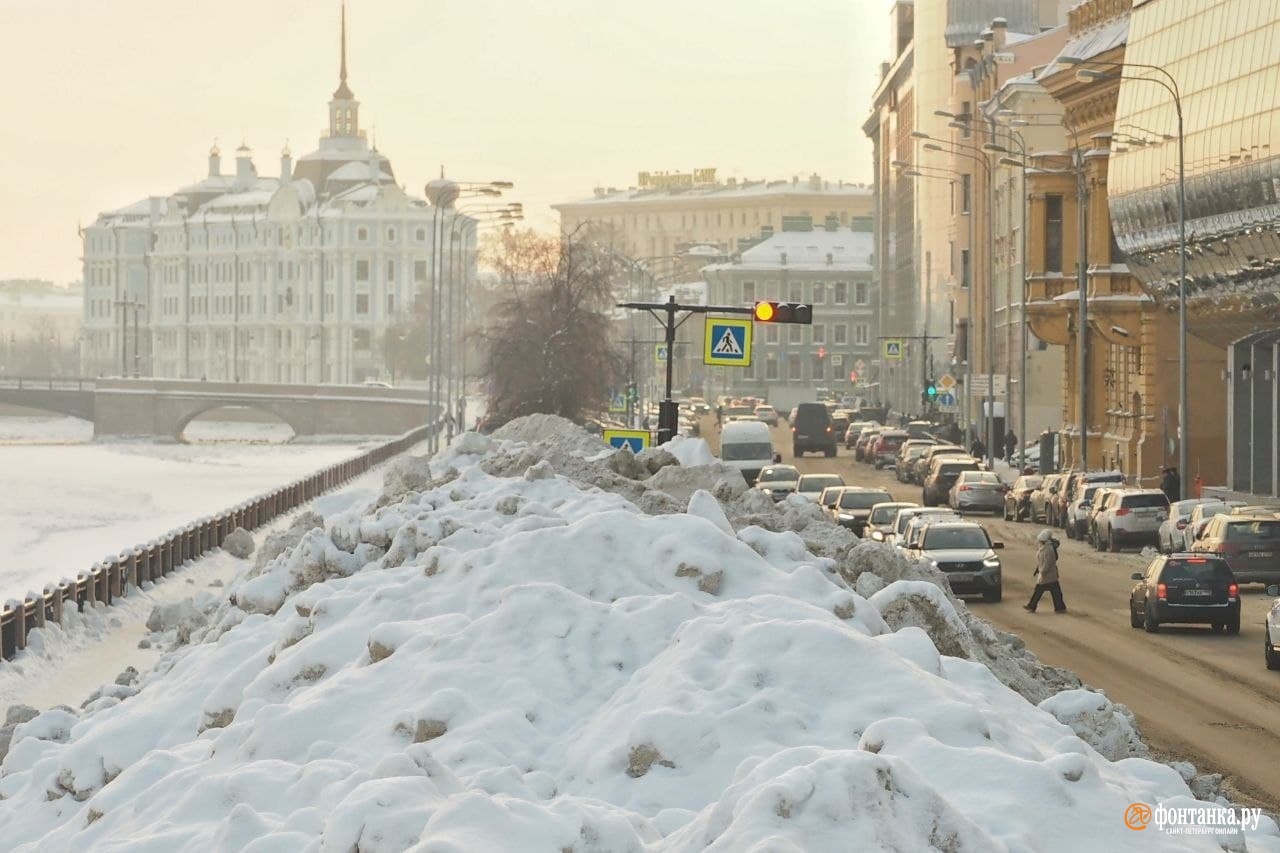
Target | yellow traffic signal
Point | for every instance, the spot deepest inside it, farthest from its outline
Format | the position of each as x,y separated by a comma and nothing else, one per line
765,312
784,312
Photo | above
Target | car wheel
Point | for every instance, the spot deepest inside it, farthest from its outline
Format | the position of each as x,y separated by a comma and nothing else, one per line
1218,627
1135,621
993,596
1233,627
1272,658
1113,544
1149,621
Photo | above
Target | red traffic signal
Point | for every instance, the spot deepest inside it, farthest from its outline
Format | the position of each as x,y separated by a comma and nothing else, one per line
783,312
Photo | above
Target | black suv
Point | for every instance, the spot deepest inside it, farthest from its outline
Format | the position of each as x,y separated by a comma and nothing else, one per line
1186,588
812,430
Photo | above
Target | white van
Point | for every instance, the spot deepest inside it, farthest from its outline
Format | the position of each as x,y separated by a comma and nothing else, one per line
747,446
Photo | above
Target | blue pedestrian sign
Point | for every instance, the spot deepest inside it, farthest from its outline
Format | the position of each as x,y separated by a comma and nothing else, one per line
660,353
727,342
636,439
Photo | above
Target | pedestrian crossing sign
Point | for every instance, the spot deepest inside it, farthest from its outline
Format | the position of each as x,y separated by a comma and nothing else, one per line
660,353
617,402
727,342
636,439
893,349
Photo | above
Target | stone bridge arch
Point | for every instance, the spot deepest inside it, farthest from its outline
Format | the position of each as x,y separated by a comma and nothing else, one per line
279,412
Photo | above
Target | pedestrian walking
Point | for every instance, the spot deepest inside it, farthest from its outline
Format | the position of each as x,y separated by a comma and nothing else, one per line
1010,446
1171,484
1047,572
977,450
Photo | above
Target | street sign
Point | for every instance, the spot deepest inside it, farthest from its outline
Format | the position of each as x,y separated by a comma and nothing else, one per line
636,439
617,402
727,342
893,349
978,385
945,398
660,353
946,382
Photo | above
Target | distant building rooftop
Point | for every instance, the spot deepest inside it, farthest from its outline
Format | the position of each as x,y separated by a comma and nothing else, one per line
662,189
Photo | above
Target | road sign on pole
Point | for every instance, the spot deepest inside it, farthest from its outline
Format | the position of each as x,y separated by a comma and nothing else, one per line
636,439
893,349
727,342
946,382
660,353
617,402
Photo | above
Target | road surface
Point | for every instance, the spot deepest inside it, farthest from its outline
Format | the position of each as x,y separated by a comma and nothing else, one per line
1203,697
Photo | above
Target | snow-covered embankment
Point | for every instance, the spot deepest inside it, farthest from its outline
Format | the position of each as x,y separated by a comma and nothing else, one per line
532,644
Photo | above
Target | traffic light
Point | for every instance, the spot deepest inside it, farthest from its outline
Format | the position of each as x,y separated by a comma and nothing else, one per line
930,392
784,312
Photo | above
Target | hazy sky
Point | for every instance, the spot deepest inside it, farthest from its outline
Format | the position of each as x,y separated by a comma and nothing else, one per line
108,101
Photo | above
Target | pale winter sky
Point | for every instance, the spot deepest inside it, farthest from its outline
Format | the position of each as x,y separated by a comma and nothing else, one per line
108,101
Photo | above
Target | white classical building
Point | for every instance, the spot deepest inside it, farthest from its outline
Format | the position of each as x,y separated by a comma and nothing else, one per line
297,278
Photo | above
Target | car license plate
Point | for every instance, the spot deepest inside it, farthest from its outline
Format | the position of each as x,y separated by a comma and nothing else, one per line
1261,553
1197,592
954,578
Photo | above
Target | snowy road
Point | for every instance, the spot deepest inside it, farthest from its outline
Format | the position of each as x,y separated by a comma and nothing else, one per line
1199,696
65,506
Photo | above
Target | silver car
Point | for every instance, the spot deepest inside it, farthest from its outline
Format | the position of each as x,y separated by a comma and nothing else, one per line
978,491
1169,537
1134,518
966,555
897,534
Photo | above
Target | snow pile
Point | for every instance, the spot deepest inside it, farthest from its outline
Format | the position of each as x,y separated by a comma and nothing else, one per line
1106,726
527,661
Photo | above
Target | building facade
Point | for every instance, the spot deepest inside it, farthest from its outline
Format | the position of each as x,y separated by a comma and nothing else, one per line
669,215
295,278
829,266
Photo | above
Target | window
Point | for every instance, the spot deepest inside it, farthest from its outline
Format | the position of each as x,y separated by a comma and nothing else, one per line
795,293
819,367
794,370
966,192
748,291
419,271
391,304
771,334
841,294
391,235
362,270
795,333
362,234
861,334
860,293
391,270
420,235
819,333
771,368
819,294
964,267
966,119
839,334
362,303
1053,233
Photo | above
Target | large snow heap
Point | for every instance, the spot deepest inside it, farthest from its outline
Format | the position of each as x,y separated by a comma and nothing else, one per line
530,643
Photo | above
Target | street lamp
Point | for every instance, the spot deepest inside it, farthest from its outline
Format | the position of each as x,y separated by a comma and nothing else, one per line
1083,73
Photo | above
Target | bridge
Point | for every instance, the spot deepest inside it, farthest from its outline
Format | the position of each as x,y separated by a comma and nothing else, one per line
164,407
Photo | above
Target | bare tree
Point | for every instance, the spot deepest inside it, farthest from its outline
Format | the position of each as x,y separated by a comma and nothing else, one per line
547,344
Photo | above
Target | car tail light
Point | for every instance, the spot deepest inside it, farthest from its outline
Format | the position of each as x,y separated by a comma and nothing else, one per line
1233,590
1162,591
1123,511
828,429
962,488
1182,525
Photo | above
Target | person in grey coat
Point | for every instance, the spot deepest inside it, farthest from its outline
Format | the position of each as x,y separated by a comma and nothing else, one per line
1047,570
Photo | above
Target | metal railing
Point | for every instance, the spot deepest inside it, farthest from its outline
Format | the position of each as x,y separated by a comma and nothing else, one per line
46,383
115,577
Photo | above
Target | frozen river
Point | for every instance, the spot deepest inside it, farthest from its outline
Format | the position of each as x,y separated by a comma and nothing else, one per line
66,503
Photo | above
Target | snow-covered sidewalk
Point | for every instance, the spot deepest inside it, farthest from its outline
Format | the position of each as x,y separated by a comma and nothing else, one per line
531,644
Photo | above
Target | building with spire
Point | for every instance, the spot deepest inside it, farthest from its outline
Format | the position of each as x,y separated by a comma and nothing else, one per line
295,278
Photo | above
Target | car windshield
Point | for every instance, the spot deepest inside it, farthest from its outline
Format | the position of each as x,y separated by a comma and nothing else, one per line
1253,531
948,538
979,477
1199,570
778,475
1210,510
1089,492
818,482
1147,501
735,452
1182,510
862,500
883,514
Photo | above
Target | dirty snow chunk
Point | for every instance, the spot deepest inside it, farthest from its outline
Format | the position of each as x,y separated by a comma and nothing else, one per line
549,429
1108,727
703,505
690,451
277,543
923,605
681,482
868,584
238,543
624,463
654,459
316,558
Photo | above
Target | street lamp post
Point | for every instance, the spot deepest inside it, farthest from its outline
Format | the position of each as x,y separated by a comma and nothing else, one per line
1184,442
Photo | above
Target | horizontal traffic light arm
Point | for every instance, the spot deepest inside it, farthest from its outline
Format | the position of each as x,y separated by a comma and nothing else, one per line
784,312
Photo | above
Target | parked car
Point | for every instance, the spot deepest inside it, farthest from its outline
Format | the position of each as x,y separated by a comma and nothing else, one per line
883,515
1169,537
1200,516
1042,497
963,552
1133,517
1250,545
1271,636
977,491
854,504
1185,588
778,481
811,430
811,485
767,414
862,450
908,455
1077,483
943,474
840,420
1078,508
898,532
854,432
884,450
920,429
1017,500
829,498
926,458
1103,498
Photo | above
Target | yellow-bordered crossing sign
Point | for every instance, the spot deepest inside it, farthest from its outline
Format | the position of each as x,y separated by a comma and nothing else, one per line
727,342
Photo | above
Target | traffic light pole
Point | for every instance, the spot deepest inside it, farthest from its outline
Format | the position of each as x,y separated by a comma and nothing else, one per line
668,411
925,382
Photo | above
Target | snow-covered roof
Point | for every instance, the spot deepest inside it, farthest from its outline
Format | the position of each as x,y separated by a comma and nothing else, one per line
358,171
1092,42
809,250
966,19
746,189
